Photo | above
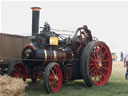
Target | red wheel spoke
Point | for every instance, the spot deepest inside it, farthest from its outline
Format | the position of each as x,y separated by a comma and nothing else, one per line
98,74
92,59
51,77
95,78
97,55
107,60
101,70
92,64
92,68
104,54
105,68
100,53
102,74
101,48
52,71
93,54
99,78
92,73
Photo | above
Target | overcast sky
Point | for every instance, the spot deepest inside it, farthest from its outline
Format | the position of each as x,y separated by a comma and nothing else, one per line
108,21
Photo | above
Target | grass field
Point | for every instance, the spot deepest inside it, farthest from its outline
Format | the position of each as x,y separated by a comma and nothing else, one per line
117,86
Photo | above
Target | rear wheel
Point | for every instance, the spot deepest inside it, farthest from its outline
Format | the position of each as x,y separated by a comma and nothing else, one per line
96,63
18,71
53,77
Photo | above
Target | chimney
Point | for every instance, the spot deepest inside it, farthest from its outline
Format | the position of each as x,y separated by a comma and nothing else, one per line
35,20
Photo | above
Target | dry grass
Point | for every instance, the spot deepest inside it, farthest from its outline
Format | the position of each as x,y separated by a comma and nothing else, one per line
118,69
11,86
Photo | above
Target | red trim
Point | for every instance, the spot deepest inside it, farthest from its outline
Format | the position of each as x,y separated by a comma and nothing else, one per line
36,9
28,45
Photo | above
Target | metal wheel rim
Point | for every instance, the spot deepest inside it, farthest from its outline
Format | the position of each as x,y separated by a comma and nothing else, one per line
55,78
100,64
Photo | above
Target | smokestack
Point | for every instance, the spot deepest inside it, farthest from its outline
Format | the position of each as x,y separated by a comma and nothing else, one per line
35,20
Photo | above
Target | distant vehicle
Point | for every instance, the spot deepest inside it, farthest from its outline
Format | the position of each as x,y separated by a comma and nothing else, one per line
114,56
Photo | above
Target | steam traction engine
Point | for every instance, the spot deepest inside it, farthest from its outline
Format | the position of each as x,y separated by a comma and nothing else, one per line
55,58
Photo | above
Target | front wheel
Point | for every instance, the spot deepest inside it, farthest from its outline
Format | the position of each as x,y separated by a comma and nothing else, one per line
53,77
96,63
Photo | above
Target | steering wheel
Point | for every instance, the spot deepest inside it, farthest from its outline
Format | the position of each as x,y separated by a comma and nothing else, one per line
80,39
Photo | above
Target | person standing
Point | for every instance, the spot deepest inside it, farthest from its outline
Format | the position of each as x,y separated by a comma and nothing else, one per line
121,56
126,65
